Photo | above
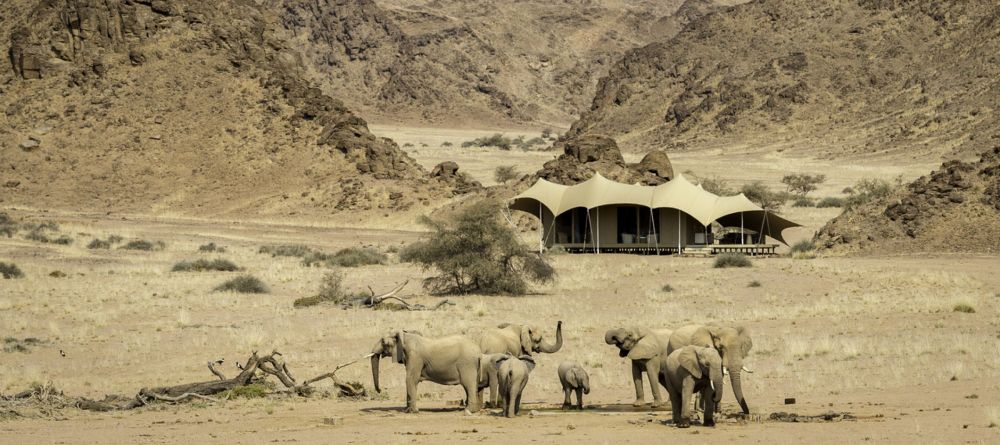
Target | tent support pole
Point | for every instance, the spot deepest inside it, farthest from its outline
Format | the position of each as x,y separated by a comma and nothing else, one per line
678,231
597,211
743,235
541,230
656,239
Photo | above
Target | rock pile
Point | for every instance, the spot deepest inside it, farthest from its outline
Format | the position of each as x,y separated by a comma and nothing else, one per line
584,155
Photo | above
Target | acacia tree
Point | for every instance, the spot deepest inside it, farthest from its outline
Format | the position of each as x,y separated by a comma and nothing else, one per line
802,184
476,251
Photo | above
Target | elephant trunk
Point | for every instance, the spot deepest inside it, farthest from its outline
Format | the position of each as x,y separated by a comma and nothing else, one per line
553,347
734,377
375,360
718,381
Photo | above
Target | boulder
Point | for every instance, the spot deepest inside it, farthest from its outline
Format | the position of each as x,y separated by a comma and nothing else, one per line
592,148
446,169
657,163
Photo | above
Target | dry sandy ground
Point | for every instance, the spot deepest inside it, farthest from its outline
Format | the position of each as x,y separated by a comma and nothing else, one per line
876,337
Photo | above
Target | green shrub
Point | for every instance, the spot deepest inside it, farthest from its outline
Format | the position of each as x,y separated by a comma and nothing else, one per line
830,201
867,190
497,140
295,250
732,260
251,391
505,173
349,257
98,244
964,308
202,265
803,202
10,270
141,244
803,246
330,291
476,251
211,247
246,284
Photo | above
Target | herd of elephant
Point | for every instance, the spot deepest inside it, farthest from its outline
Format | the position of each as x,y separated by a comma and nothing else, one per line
687,361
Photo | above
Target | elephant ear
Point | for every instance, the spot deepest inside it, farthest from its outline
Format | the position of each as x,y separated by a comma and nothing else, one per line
529,361
399,353
646,348
526,345
688,359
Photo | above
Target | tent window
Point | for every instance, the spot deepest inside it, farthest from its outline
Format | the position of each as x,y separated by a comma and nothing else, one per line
571,227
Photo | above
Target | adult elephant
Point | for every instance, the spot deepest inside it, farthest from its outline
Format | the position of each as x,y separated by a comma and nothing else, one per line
643,347
732,342
516,340
452,360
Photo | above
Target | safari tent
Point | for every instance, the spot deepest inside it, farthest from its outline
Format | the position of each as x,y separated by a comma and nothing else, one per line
601,215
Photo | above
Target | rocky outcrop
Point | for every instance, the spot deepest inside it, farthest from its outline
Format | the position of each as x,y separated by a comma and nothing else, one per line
583,156
954,209
447,172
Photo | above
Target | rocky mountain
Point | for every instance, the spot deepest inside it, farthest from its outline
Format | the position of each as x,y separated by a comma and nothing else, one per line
186,106
954,209
834,78
490,62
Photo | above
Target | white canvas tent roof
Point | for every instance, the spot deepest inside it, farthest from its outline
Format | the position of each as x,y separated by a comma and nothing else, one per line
678,193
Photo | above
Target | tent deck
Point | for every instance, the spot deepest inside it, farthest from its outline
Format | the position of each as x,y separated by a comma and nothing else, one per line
644,249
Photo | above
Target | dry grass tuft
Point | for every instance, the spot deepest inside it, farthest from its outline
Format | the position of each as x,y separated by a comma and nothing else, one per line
211,247
202,265
244,284
10,270
732,260
964,308
144,245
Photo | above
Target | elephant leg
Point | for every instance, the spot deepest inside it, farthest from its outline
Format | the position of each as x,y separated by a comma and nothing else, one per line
579,398
471,385
687,390
412,379
494,391
566,401
675,407
708,396
637,381
652,372
517,404
509,400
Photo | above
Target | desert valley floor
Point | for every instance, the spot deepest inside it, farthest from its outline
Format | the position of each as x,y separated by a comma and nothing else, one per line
871,342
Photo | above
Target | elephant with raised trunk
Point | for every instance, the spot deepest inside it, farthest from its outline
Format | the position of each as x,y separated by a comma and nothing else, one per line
516,340
732,343
690,370
452,360
573,378
513,375
643,347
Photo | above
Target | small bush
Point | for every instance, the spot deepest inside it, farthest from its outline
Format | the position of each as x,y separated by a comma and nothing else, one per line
754,283
497,140
251,391
349,257
330,290
446,144
141,244
38,234
762,195
57,274
830,201
98,244
7,225
803,202
804,246
202,265
296,250
505,173
10,270
732,260
667,288
867,190
115,239
246,284
211,247
964,308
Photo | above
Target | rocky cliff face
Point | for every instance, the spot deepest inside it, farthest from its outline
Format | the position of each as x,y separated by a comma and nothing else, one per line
181,105
954,209
456,61
835,78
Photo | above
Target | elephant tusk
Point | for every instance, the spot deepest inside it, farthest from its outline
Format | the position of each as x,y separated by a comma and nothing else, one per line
369,355
712,384
747,370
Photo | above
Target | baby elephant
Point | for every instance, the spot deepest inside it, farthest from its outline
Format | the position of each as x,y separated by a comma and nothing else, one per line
690,370
573,378
512,374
